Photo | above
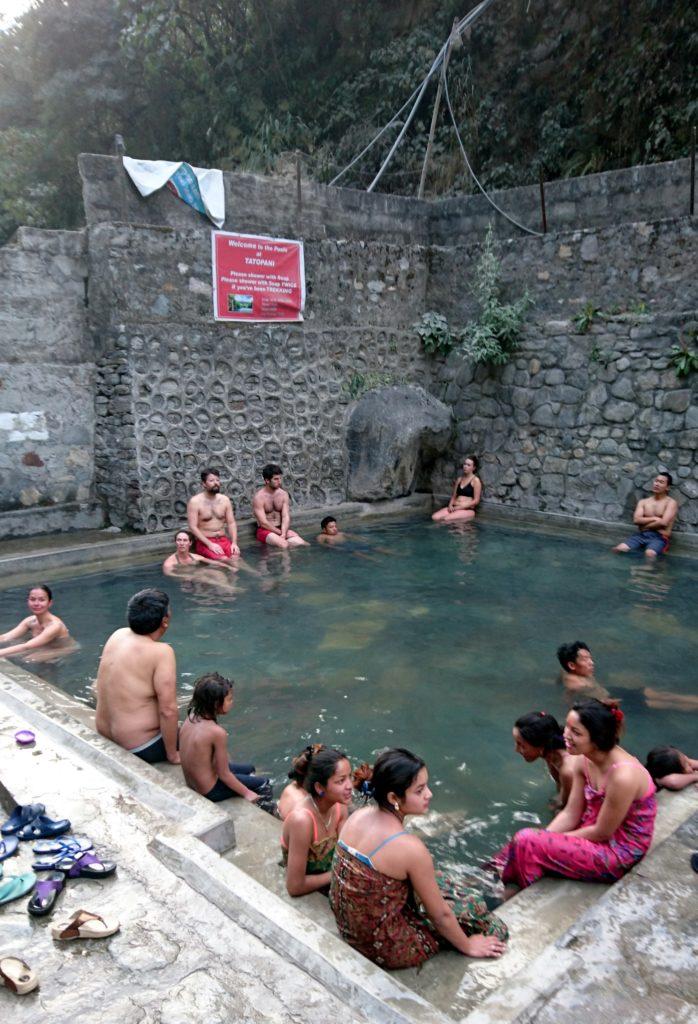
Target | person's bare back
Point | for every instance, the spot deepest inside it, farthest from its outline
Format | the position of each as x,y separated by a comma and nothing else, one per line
137,680
197,745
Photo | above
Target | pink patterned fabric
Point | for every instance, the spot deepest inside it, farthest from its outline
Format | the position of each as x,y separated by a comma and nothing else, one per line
534,852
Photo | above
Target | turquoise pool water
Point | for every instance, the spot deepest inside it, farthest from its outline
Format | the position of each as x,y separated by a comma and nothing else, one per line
418,636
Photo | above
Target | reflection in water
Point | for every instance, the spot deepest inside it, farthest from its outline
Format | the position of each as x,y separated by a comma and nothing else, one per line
274,569
466,540
651,581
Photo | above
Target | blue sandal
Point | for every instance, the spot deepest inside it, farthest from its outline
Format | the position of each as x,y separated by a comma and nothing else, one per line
43,827
21,816
8,847
16,885
65,845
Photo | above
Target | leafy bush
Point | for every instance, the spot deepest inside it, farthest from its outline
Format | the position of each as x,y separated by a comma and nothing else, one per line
495,335
437,337
684,359
360,383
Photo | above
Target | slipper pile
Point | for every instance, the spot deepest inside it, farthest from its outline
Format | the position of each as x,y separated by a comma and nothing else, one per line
61,856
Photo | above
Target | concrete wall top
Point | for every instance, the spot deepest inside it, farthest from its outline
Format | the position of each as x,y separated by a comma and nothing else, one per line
256,204
646,192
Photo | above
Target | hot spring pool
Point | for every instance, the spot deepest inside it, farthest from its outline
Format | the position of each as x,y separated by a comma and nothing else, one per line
415,635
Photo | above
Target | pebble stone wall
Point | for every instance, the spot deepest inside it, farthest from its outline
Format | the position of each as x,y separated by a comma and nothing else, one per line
580,423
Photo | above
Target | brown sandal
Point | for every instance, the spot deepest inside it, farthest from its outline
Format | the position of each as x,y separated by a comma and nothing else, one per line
85,925
17,975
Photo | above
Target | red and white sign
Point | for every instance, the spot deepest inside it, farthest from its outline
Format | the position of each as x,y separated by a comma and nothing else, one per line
257,279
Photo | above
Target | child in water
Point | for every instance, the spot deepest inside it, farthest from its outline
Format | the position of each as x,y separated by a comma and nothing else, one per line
203,748
671,768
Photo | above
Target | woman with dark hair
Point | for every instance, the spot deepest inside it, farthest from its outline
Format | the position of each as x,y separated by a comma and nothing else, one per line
465,496
538,735
671,768
388,900
608,822
310,831
45,628
294,794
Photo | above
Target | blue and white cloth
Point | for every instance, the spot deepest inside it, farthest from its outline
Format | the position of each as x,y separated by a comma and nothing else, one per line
200,187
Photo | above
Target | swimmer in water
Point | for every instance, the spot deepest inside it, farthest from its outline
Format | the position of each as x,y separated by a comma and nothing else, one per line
49,634
331,534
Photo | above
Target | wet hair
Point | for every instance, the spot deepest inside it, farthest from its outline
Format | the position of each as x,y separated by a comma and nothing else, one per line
540,730
318,767
183,529
208,471
602,719
46,590
394,772
299,764
209,693
146,610
270,470
326,521
669,477
475,461
568,652
663,761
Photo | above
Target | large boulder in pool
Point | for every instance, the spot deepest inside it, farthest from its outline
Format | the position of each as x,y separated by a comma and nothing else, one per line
393,436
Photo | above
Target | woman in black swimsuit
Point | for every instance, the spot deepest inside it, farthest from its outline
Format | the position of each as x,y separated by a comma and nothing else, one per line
465,496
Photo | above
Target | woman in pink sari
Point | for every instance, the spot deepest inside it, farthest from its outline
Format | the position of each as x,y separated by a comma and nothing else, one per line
607,824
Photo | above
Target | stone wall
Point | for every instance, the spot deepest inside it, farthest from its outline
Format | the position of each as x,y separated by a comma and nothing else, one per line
632,194
46,385
177,391
580,423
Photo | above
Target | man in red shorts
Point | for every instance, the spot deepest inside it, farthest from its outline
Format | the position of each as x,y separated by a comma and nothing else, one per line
271,510
211,519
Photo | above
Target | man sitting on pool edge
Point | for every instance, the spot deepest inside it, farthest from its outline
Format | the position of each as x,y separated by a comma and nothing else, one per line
655,516
270,508
137,682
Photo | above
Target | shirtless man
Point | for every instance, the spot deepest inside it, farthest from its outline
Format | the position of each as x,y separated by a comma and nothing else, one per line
580,684
210,514
331,534
137,682
655,516
271,510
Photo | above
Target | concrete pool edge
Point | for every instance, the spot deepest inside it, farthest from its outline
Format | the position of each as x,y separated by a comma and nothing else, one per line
192,833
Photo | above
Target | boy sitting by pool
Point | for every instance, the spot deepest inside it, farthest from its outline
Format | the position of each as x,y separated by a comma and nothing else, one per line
203,748
331,533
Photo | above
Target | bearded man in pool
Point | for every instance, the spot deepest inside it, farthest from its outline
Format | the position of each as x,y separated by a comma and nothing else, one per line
137,682
210,515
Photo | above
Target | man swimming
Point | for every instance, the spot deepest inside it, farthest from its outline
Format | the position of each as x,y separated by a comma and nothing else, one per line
272,512
137,682
655,516
331,533
210,515
579,682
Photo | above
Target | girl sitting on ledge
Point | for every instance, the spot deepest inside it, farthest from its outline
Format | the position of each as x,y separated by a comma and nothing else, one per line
294,794
310,831
49,634
538,735
389,902
465,497
608,822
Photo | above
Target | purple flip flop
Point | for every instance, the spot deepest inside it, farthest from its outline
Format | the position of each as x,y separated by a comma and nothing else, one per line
88,866
45,894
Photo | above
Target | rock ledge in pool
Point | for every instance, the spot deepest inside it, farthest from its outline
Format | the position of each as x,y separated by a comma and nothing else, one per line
393,435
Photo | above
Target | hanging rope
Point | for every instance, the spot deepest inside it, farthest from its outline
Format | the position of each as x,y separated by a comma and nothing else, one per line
530,231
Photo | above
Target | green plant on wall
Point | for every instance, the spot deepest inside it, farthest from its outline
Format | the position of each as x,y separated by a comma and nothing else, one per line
684,357
359,383
436,335
495,335
585,319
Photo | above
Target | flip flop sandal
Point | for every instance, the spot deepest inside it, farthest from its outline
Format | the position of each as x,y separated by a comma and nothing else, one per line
16,885
46,893
8,847
22,815
90,866
17,976
85,925
43,827
66,845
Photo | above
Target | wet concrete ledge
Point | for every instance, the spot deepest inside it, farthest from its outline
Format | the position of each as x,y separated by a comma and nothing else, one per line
229,855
